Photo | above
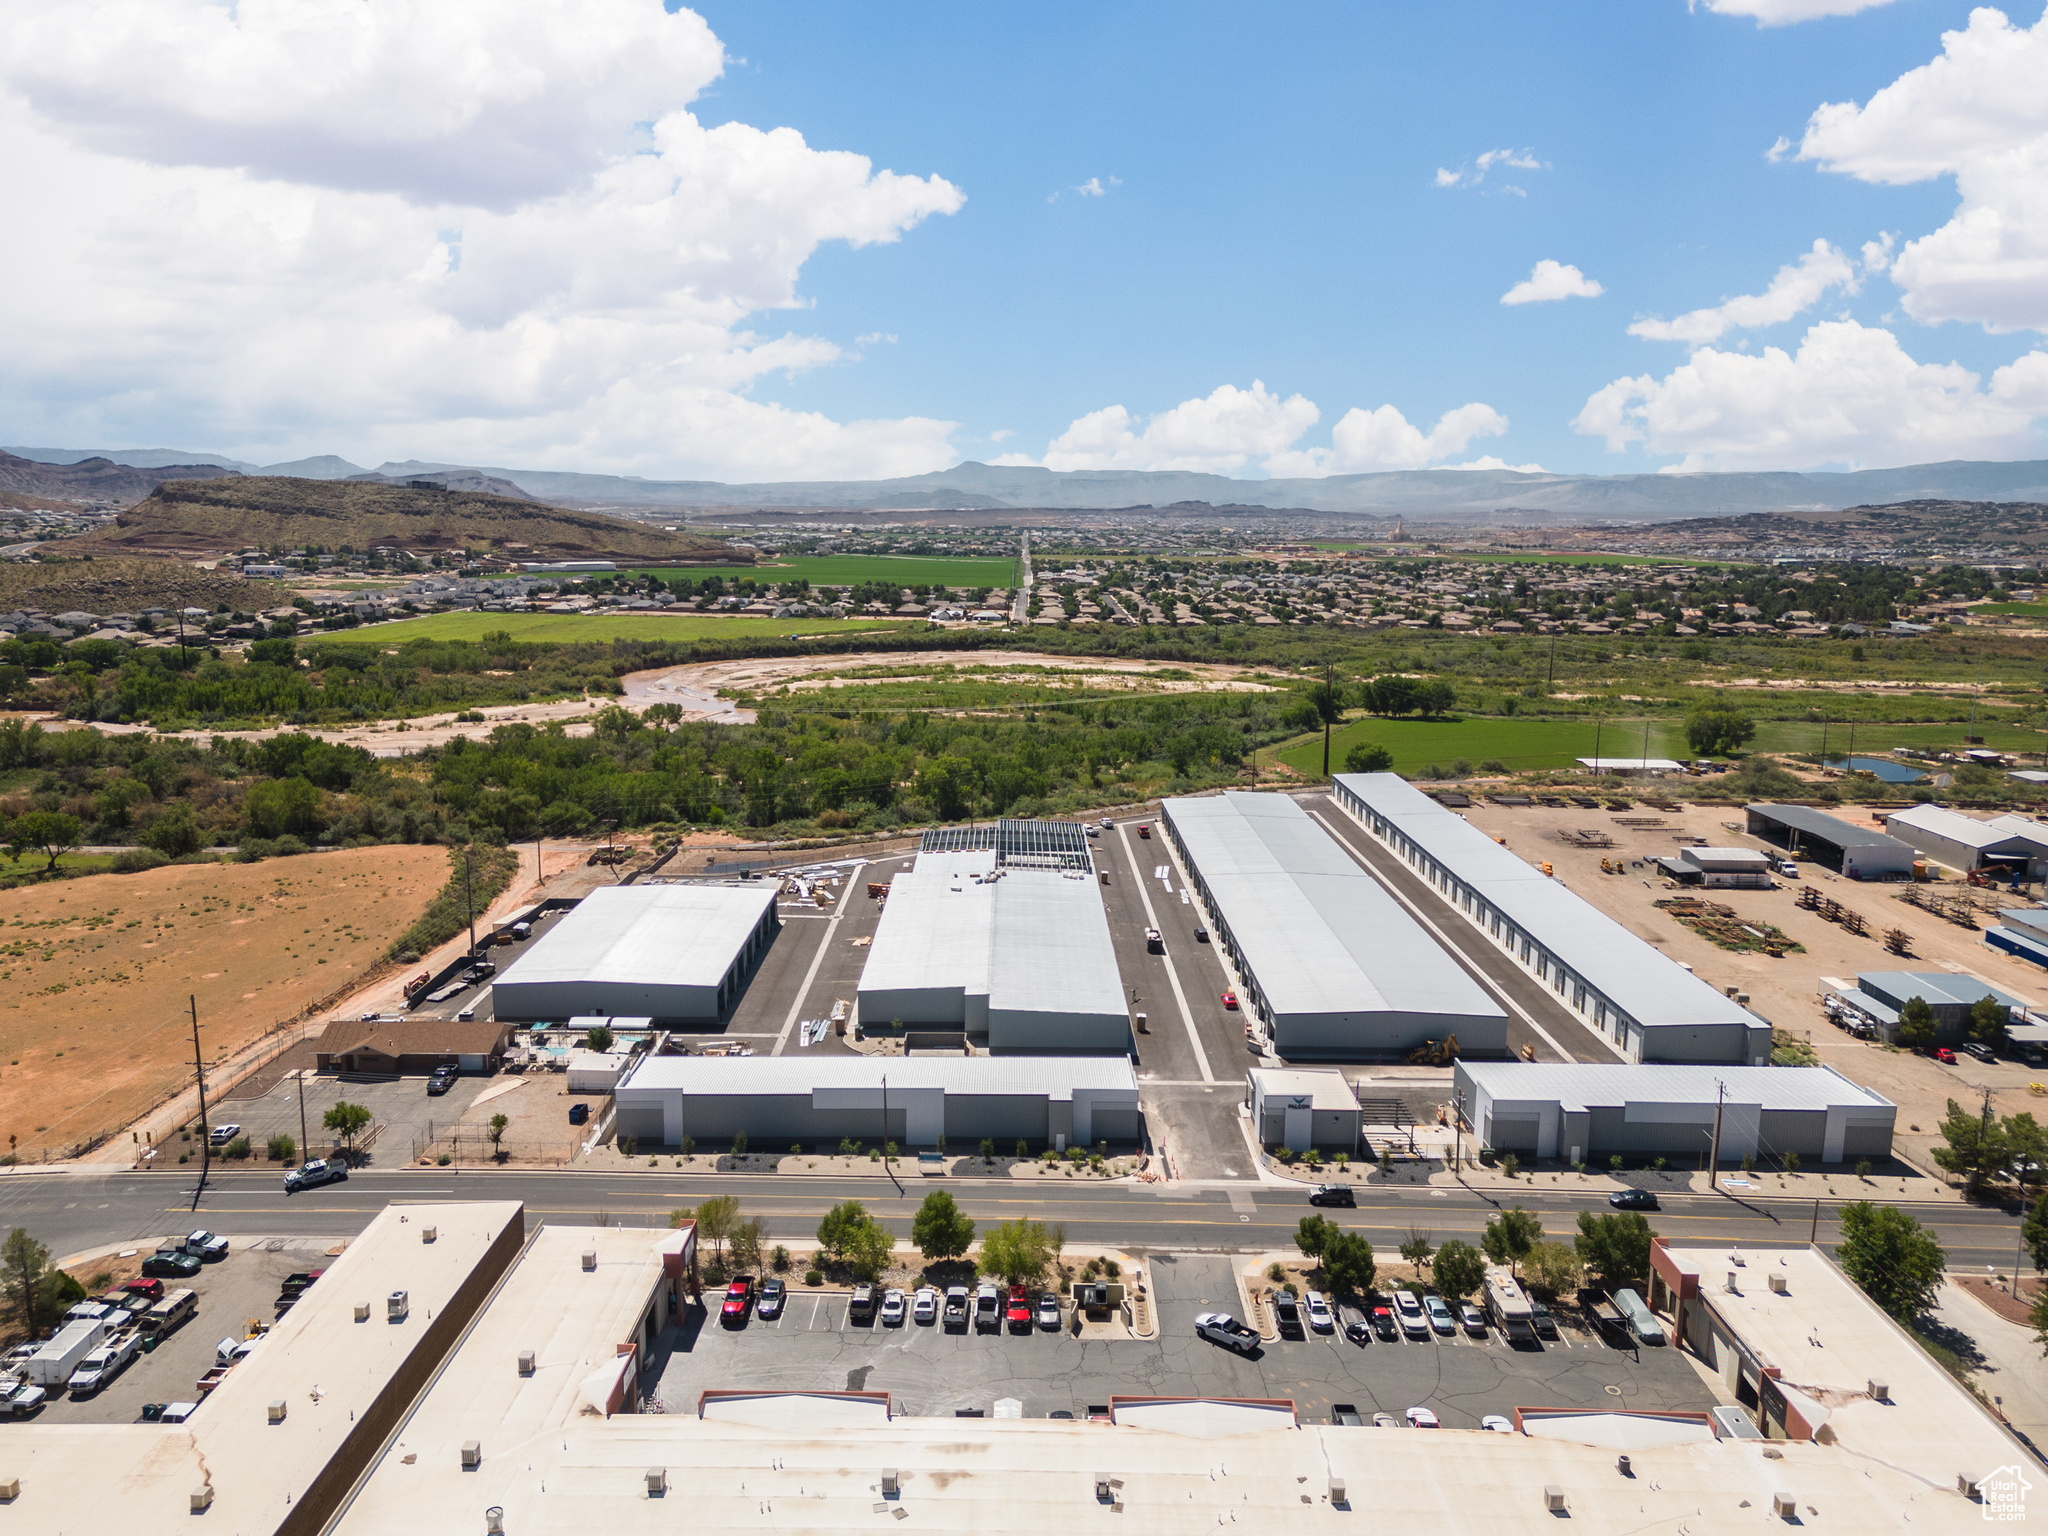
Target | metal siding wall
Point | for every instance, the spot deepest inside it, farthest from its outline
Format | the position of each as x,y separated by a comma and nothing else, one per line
1793,1130
1866,1141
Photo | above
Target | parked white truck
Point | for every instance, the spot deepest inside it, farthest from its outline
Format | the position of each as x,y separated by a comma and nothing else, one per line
52,1365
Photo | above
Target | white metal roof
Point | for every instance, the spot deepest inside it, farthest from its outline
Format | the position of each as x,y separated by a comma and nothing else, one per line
1829,829
1649,987
1035,940
1054,1076
1578,1085
1625,764
935,929
1320,934
1324,1090
649,935
1968,831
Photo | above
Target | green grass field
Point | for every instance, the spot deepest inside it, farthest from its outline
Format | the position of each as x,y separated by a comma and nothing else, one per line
2024,610
566,627
851,570
1528,745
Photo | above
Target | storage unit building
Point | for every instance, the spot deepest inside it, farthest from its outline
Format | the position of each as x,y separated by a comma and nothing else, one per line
911,1100
1016,954
1578,1112
673,953
1651,1008
2012,847
1857,852
1328,960
1302,1109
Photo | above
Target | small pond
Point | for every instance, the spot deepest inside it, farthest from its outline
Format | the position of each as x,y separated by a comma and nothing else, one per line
1885,769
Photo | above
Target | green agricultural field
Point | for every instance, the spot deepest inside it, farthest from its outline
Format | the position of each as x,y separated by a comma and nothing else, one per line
851,570
1529,745
2024,610
1524,745
563,628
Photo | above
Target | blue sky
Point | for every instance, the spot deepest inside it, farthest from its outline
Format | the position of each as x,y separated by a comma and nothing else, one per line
1277,216
772,240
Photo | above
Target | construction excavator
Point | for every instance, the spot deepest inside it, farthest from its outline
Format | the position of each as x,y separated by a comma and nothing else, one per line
1433,1053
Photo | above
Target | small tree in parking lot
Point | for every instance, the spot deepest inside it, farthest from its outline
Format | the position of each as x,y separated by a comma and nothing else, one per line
1459,1269
1348,1262
1417,1249
348,1121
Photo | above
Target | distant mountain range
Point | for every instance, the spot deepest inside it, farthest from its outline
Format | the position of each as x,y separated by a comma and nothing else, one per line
1487,495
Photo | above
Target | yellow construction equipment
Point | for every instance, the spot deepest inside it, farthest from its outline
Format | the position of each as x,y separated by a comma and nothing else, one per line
1433,1053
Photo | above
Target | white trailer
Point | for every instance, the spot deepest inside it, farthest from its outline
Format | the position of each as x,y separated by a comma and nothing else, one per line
52,1365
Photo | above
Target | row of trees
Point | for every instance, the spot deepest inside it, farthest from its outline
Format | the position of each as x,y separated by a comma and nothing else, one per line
1614,1246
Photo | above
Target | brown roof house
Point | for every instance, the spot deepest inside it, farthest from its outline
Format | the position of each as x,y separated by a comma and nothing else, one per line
414,1045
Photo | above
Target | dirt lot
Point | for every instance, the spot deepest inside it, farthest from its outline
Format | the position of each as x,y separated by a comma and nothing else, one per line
95,972
1788,991
795,673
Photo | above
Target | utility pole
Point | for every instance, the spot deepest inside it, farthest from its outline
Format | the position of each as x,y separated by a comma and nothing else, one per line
1646,745
1457,1136
205,1131
1598,721
1823,740
885,1136
305,1142
469,901
1551,682
1714,1152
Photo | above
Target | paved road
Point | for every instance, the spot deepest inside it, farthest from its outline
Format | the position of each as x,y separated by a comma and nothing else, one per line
78,1212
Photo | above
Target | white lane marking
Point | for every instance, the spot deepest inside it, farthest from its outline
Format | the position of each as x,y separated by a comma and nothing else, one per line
796,1008
1449,943
1172,975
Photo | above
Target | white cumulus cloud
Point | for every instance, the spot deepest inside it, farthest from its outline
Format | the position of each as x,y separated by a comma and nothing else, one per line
1549,281
1232,429
1979,112
1220,432
1783,13
1849,395
1796,287
1473,172
472,229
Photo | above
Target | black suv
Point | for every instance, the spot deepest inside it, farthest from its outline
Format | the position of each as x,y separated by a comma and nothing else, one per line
1332,1194
1287,1312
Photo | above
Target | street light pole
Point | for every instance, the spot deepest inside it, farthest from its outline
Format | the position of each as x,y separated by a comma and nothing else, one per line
205,1131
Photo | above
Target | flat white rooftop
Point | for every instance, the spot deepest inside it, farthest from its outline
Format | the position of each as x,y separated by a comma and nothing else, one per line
646,935
1582,1085
1323,1089
1320,934
1052,1076
1647,986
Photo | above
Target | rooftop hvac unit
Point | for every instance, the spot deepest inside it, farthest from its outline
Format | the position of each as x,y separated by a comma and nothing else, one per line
892,1484
1784,1506
1778,1286
397,1305
1880,1391
1102,1494
1733,1288
10,1489
362,1311
589,1259
494,1520
1553,1498
1967,1487
277,1410
1337,1491
526,1362
1621,1465
428,1234
657,1482
202,1498
472,1455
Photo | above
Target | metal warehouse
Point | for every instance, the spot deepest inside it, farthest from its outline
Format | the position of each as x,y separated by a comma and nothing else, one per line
1858,852
1718,867
1300,1110
672,953
1878,996
911,1100
1006,949
1651,1008
1575,1112
1327,958
2012,847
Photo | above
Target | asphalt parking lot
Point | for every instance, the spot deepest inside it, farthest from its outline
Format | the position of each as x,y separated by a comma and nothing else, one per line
232,1293
930,1372
401,1109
